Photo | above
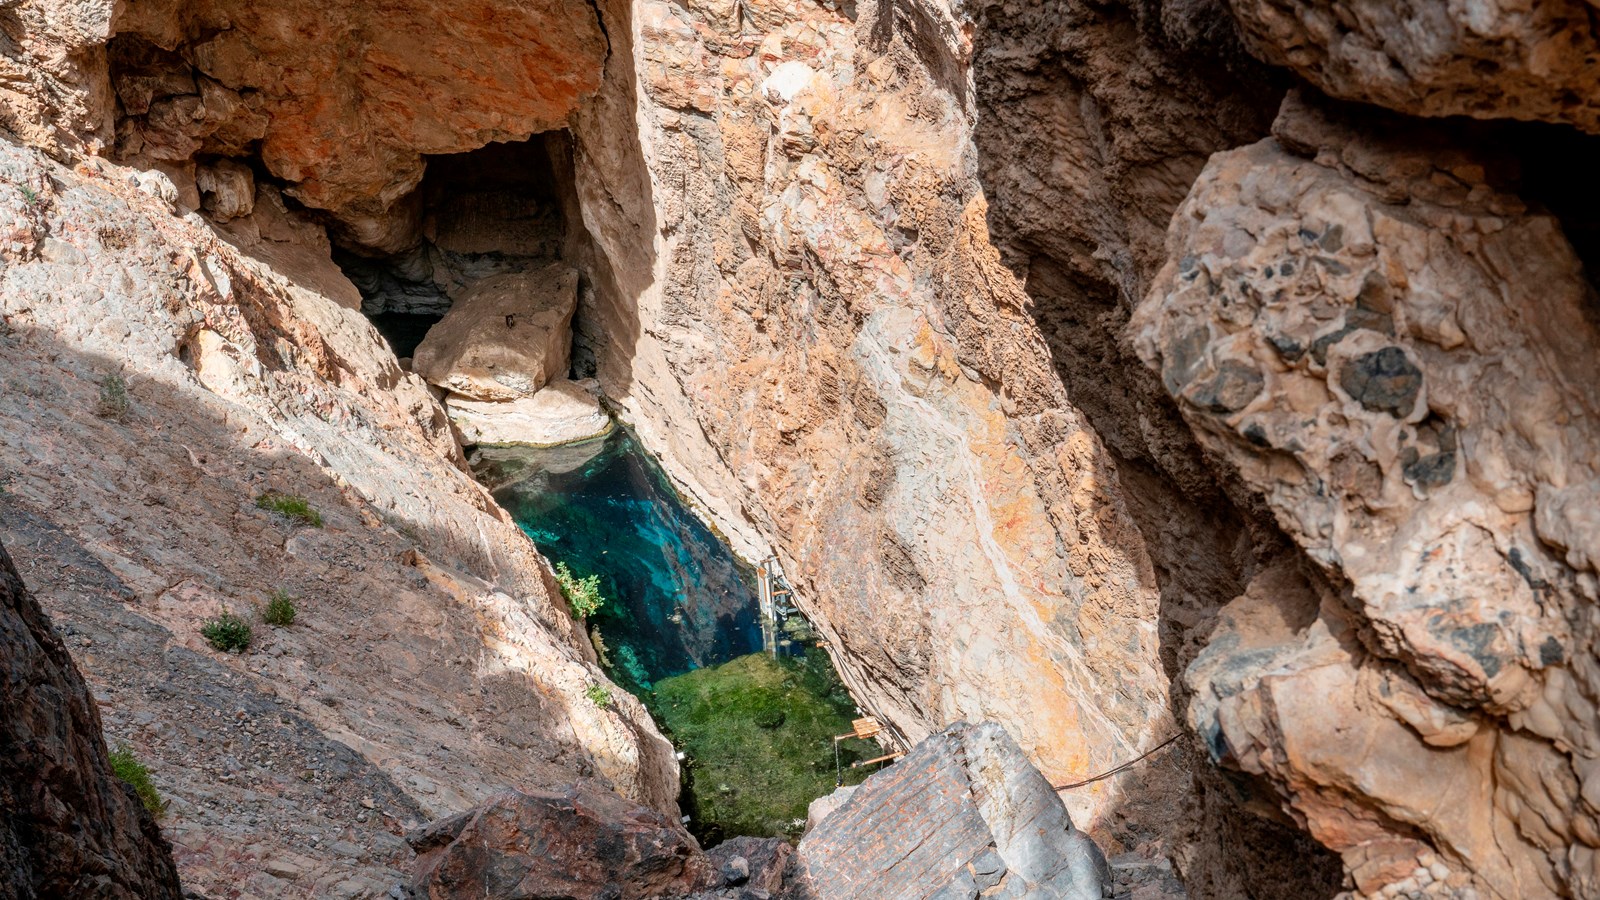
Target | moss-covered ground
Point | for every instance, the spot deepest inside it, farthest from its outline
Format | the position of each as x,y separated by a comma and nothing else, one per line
758,735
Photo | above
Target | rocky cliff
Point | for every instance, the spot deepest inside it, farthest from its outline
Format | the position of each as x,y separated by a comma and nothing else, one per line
1102,369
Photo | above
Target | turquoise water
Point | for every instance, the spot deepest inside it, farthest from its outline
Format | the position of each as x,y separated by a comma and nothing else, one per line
678,599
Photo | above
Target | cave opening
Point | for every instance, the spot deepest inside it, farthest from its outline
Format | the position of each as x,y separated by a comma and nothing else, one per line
492,211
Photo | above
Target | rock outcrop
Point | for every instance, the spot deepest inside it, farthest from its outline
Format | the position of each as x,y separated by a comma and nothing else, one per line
804,317
862,275
1390,347
964,814
560,413
71,828
506,337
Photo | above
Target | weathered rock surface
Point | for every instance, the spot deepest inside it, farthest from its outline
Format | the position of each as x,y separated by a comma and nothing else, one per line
560,413
962,813
345,98
1394,351
430,665
586,843
506,337
803,316
1499,59
70,827
1123,103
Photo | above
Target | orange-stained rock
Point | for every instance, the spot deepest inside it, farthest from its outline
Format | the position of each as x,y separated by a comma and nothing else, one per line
345,97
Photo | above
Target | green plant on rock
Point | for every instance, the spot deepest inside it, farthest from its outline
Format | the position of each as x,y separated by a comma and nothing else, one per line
114,400
227,633
599,695
127,767
290,506
280,610
583,594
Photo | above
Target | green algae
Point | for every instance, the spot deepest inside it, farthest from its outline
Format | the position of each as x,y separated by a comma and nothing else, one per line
758,736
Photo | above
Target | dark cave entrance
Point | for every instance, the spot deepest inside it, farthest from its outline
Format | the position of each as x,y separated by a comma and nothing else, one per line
491,211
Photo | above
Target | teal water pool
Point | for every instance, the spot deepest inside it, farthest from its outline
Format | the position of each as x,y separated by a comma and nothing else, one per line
677,597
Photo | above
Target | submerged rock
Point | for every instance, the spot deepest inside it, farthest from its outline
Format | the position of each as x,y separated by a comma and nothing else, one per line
562,412
505,338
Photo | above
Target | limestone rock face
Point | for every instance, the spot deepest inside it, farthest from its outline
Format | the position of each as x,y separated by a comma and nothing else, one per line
962,813
430,664
800,311
560,413
1394,352
346,97
506,337
71,828
584,843
53,88
1499,59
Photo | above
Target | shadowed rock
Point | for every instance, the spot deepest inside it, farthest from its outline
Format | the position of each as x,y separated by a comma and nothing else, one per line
70,827
586,843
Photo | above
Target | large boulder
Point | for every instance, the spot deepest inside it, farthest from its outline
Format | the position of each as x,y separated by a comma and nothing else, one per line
70,827
561,413
505,338
963,812
586,844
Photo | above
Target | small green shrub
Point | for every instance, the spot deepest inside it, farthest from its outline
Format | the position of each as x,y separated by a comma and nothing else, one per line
599,695
583,594
114,400
227,633
127,767
291,507
280,609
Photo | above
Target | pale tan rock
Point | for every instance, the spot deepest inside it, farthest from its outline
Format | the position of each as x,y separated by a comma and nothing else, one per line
562,412
505,337
1502,59
228,188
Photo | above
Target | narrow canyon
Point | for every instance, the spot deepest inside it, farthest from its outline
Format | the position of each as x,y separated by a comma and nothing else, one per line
799,449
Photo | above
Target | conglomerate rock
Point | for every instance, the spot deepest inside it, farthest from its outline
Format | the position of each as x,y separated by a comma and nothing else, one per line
1511,59
1395,352
69,828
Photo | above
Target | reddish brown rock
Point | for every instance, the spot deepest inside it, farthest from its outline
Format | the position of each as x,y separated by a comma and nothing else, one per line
585,844
69,828
345,98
